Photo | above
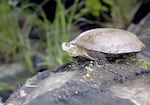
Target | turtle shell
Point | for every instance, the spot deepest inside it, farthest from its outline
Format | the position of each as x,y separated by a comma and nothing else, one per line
109,40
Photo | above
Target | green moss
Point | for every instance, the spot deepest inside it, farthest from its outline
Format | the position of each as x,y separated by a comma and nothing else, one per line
143,64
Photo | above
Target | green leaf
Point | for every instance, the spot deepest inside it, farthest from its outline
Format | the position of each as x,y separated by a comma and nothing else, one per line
109,2
104,8
94,6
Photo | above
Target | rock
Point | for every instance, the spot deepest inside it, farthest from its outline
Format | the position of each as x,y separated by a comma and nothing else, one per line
108,84
10,75
142,28
136,90
1,103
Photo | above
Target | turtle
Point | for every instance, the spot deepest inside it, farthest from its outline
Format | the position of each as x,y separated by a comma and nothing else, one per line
101,43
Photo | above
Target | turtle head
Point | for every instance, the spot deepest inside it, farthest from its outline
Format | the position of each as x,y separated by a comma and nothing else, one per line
74,50
71,49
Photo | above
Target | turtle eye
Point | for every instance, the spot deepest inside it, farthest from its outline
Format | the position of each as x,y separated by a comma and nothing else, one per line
67,44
